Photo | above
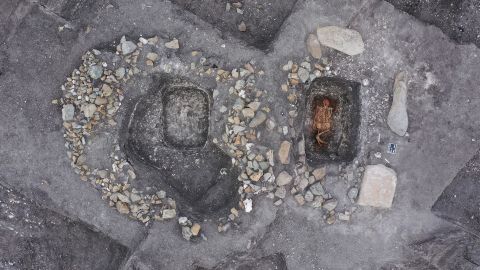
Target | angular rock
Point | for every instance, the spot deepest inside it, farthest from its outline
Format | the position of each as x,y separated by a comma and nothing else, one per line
284,178
127,46
284,152
89,110
242,27
317,189
330,204
68,112
95,72
281,192
378,186
341,39
299,199
397,117
169,213
319,173
259,118
173,44
313,46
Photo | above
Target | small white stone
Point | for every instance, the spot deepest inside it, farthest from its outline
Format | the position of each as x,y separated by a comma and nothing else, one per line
248,205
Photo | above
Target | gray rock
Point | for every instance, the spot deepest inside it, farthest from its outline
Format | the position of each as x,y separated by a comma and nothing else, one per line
186,233
313,47
120,72
281,192
127,46
68,112
95,72
330,204
341,39
303,74
284,178
259,118
397,117
352,193
317,189
169,213
173,44
317,202
89,110
309,196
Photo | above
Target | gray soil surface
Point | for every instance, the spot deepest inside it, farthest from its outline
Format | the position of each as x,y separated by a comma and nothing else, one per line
42,42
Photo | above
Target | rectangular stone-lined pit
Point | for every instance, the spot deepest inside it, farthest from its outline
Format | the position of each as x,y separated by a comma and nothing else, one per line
340,142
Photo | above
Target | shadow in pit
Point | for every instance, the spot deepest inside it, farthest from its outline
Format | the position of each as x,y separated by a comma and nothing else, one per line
168,142
331,120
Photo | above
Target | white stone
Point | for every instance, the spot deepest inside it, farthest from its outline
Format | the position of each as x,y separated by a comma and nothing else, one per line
378,186
341,39
397,117
248,205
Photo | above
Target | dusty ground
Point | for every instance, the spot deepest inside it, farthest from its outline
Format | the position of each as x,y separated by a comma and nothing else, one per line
443,105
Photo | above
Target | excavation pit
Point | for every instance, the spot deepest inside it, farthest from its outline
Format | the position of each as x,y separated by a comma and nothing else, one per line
332,119
168,142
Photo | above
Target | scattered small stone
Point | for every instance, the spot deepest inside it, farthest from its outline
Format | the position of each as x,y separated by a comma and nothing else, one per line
152,56
330,219
107,90
303,74
341,39
309,196
281,192
122,207
313,46
127,46
195,229
248,113
248,205
378,186
344,216
186,233
317,202
319,173
68,112
242,27
283,178
89,110
317,189
284,152
330,205
299,199
259,118
172,44
120,72
352,193
278,202
169,213
397,117
95,72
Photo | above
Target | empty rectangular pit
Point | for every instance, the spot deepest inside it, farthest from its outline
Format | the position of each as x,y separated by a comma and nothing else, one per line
186,112
332,119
